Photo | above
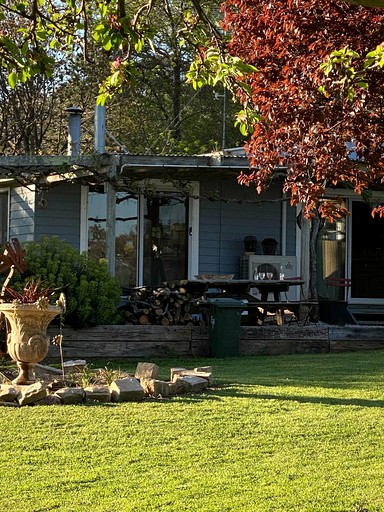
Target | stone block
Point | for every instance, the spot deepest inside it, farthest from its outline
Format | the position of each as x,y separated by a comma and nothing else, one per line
8,375
181,372
42,369
155,387
70,396
176,372
9,404
178,387
32,393
76,366
194,384
203,369
126,390
49,400
97,394
7,393
146,371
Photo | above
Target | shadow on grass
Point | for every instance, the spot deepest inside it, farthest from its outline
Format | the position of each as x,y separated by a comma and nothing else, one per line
314,399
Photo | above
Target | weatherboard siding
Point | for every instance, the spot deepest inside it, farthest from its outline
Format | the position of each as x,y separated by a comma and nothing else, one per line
22,213
223,225
59,214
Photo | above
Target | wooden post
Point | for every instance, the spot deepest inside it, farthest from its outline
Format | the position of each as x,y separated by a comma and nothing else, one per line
111,220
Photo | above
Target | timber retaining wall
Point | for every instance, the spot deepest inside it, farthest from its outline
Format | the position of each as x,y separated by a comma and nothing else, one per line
138,341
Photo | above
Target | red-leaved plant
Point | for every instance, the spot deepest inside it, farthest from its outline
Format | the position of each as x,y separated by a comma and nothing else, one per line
13,259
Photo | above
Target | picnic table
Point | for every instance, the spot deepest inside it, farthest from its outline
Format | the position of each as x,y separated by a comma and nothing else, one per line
270,292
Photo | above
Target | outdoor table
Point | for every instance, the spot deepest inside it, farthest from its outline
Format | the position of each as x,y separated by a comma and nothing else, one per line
229,287
275,288
242,288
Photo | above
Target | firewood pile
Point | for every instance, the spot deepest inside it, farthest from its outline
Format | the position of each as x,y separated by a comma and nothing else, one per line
170,304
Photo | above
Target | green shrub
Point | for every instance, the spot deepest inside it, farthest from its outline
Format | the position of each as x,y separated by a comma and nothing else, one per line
92,294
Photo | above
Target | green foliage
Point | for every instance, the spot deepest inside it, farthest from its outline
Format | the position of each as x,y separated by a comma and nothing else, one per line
215,66
92,294
86,376
340,63
246,120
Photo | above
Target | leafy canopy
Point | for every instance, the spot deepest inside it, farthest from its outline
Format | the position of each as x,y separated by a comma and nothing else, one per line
48,30
307,122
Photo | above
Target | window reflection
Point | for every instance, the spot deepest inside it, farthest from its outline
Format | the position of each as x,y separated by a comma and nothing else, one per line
331,252
125,232
165,239
126,239
165,243
97,219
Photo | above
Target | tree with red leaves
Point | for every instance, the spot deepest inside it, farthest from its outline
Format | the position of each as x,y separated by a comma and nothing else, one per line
323,132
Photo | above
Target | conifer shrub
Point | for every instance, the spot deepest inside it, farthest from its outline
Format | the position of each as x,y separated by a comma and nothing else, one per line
92,294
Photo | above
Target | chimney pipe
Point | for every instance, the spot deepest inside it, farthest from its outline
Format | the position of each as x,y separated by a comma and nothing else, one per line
74,130
100,128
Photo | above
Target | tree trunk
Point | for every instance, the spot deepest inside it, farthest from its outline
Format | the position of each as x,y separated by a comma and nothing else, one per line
314,234
176,98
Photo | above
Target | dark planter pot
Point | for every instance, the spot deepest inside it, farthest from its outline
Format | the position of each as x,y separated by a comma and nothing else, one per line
334,312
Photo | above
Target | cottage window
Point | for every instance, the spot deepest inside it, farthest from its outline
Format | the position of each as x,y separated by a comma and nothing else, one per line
156,236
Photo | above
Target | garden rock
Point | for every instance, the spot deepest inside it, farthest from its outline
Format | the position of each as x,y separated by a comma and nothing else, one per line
204,373
49,400
178,387
76,366
176,372
7,375
97,394
9,404
70,395
42,369
194,384
126,390
204,369
7,393
155,387
32,393
146,371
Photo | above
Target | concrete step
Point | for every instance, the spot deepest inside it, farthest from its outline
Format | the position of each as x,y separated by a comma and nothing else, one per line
368,315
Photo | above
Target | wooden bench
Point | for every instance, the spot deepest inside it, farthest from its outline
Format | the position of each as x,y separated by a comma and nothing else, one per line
279,309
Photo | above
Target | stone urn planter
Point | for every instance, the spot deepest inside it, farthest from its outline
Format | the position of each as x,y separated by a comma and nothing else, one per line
27,340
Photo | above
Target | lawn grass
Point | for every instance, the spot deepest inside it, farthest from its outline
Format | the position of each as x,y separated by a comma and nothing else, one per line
283,433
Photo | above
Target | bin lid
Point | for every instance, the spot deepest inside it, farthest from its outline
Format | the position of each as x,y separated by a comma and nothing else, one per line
224,302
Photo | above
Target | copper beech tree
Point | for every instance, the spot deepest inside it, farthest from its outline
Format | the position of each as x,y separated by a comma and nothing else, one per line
325,133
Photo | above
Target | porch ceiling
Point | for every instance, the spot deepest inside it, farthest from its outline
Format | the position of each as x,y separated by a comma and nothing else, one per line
180,167
29,167
136,167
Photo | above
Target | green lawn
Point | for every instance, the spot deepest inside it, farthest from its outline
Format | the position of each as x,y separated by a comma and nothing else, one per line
283,433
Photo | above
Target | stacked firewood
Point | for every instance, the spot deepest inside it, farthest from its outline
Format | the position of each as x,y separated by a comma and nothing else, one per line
170,304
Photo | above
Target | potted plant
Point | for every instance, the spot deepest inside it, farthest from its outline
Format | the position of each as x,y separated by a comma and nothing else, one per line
27,314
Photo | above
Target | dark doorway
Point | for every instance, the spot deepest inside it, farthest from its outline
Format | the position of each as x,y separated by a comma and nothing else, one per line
165,239
367,253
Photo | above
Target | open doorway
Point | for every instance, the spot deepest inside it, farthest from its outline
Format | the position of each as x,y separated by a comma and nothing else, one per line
165,239
367,253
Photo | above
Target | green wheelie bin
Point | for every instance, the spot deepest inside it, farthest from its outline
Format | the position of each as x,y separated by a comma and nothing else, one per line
225,320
